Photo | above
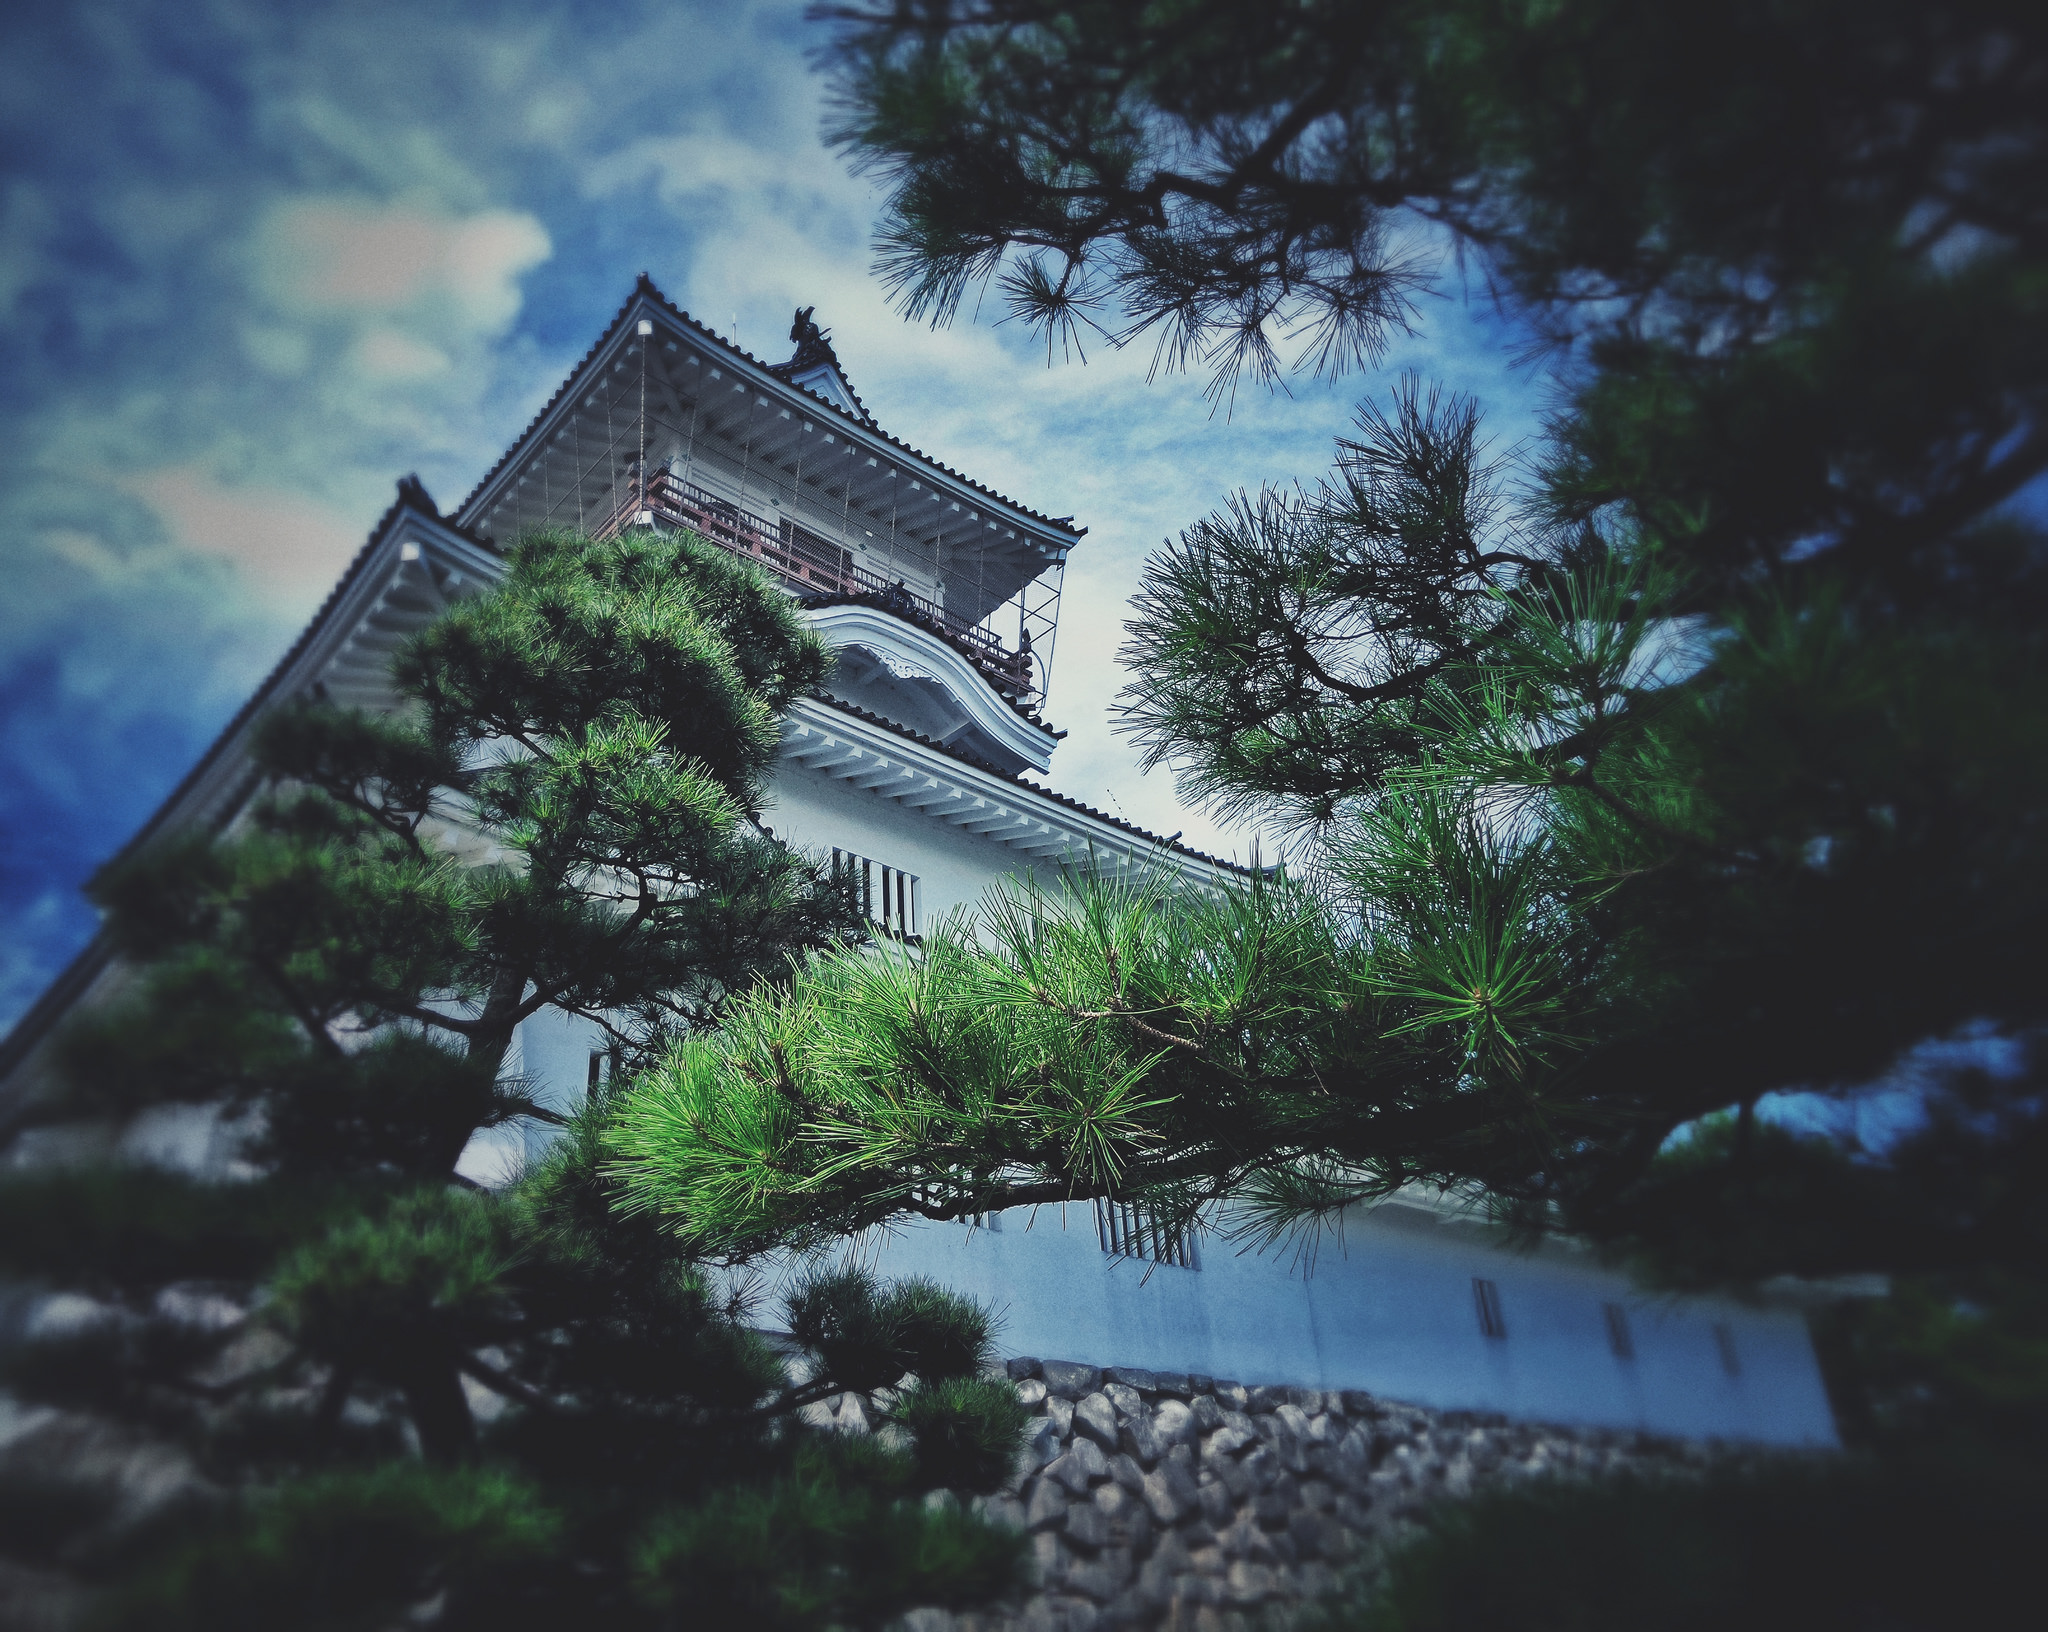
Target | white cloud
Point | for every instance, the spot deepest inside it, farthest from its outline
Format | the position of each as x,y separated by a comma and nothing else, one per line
285,546
353,256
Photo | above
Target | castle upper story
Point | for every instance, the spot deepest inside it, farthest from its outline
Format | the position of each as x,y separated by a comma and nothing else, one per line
941,596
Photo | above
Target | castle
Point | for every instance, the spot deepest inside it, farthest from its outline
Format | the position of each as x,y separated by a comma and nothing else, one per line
941,599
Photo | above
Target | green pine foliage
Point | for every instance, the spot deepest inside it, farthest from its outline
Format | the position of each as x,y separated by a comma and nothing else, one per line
1690,756
560,815
393,1397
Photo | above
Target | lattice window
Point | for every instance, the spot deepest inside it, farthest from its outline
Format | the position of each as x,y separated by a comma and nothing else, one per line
1128,1230
1486,1300
887,896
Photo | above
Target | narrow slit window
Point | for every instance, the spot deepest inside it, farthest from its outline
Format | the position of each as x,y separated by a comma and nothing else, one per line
1486,1301
1724,1345
1619,1338
1127,1230
888,897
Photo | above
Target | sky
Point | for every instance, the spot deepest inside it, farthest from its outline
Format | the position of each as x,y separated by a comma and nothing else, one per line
259,261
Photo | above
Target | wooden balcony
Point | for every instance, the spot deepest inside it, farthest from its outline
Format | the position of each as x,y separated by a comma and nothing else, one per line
807,564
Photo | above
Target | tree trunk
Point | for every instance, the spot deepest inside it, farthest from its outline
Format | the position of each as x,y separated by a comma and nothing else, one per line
440,1413
489,1042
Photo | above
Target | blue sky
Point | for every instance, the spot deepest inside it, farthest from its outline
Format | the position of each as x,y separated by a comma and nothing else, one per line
258,261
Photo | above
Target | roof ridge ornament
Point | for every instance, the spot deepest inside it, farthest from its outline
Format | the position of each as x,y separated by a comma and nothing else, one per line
412,493
816,368
813,344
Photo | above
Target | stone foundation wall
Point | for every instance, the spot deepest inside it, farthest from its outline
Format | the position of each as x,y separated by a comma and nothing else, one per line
1161,1500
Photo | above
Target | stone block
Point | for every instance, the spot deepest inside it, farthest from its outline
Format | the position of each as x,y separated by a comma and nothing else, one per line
1102,1577
1358,1403
1006,1511
1353,1512
1031,1392
1048,1559
1195,1535
1068,1380
1219,1507
1083,1466
1262,1467
1234,1477
1238,1538
1271,1510
1095,1417
1207,1414
1126,1472
1133,1377
1078,1615
1310,1400
1316,1495
1156,1584
1087,1525
1141,1441
1250,1583
1041,1445
1061,1414
1224,1444
1313,1535
1046,1507
1260,1400
1020,1368
1198,1384
1174,1423
1292,1418
1232,1396
1114,1502
1177,1384
1128,1401
1208,1560
1170,1493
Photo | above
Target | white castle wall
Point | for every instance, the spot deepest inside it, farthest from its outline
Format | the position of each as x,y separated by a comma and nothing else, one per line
1388,1309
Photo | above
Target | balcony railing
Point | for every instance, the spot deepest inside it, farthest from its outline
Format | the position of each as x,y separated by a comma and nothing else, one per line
809,564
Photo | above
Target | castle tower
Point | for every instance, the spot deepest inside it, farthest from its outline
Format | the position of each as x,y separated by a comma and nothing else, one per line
942,601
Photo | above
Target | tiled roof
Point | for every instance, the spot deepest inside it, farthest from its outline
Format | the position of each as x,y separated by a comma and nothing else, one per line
412,495
981,764
645,286
50,1007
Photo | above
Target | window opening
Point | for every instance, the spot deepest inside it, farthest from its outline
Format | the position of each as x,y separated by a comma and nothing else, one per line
1127,1229
1619,1338
887,897
1486,1300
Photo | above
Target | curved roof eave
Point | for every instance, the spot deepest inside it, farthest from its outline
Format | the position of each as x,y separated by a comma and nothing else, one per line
863,421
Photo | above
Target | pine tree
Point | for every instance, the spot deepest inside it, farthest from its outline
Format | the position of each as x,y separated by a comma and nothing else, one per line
393,1394
1694,760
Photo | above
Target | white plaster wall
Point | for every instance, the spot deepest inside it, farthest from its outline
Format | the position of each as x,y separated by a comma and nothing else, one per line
953,867
1389,1309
